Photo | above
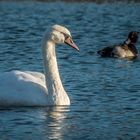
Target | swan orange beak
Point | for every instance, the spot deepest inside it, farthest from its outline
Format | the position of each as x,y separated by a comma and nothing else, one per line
70,42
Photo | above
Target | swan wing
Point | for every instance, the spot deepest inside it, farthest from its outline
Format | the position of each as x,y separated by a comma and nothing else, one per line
22,88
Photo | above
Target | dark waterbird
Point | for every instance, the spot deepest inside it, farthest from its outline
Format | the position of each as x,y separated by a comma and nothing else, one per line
124,50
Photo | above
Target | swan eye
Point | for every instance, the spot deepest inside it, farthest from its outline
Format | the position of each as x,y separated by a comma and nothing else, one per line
66,36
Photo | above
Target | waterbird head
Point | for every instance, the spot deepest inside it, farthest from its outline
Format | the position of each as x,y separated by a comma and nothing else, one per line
61,35
133,36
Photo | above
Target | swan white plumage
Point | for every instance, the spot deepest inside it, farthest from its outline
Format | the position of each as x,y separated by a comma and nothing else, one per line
26,88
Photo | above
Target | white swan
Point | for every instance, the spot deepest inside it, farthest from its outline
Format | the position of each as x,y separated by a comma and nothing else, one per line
26,88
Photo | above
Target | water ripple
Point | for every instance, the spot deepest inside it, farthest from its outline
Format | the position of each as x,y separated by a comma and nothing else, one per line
104,92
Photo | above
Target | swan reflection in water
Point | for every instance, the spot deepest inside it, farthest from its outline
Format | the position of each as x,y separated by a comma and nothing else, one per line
34,123
57,125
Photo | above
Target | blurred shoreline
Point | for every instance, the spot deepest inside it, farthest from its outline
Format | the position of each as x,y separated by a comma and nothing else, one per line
94,1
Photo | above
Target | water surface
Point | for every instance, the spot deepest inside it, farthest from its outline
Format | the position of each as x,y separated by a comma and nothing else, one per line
104,93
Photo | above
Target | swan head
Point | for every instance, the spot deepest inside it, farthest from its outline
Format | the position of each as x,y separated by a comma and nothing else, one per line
61,35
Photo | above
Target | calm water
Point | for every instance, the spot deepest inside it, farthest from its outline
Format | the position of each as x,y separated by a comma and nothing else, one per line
104,93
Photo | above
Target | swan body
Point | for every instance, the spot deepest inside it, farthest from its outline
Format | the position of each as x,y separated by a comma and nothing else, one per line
27,88
23,89
125,50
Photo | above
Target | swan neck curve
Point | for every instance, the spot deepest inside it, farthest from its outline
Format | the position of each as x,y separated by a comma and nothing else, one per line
53,81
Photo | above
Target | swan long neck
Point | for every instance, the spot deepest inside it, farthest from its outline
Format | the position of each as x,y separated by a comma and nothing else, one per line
53,81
